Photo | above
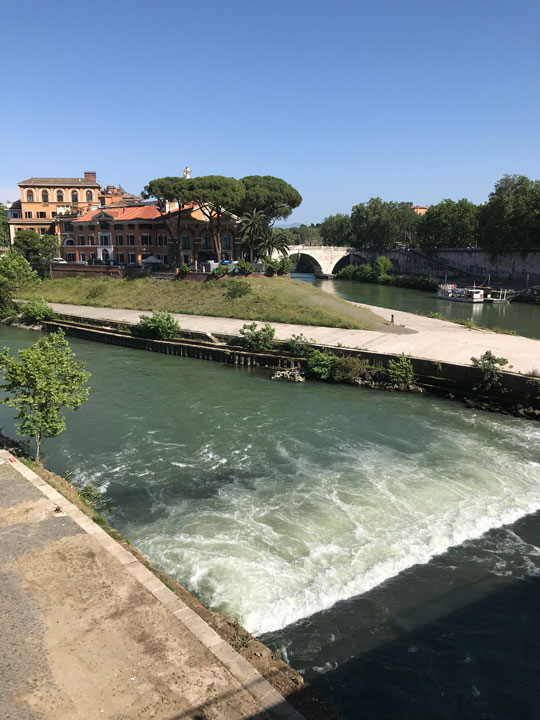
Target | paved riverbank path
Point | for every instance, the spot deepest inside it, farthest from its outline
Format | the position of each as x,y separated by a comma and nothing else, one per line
414,335
88,633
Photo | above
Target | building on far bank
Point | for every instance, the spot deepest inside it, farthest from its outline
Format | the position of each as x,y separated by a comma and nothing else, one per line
420,209
127,234
45,201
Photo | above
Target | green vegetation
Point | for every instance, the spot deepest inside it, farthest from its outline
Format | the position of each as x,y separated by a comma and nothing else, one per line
45,379
337,230
244,267
237,289
39,250
274,299
378,274
257,339
298,346
351,369
3,225
36,311
400,372
321,363
16,278
160,325
239,638
489,370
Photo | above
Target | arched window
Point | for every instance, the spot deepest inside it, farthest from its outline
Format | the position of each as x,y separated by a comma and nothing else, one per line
185,242
74,196
227,242
59,196
89,196
44,196
70,242
206,241
29,196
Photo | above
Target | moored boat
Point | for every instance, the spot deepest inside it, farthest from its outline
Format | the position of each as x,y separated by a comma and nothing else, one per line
449,291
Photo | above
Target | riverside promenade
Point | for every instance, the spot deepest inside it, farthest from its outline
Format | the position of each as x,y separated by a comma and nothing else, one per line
89,633
414,335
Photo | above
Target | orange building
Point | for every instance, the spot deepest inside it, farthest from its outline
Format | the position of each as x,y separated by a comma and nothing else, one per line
127,234
420,209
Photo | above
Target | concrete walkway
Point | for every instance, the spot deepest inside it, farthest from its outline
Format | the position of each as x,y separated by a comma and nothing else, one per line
88,633
427,338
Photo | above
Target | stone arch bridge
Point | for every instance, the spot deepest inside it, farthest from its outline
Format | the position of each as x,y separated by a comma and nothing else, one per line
327,259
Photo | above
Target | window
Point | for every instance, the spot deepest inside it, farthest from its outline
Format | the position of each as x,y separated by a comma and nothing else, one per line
69,242
119,239
28,214
75,196
89,196
70,257
91,227
186,259
131,240
206,241
42,231
104,225
105,240
226,242
131,226
45,196
131,257
165,259
145,239
144,226
82,257
121,257
81,239
29,196
42,214
185,242
92,256
68,227
53,214
59,196
118,226
90,239
226,256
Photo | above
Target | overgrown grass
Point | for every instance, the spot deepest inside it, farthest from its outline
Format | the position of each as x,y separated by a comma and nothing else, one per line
273,299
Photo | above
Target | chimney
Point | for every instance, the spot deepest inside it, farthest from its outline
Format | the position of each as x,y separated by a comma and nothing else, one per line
90,175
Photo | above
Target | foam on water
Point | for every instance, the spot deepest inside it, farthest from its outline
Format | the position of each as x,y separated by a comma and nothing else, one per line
281,540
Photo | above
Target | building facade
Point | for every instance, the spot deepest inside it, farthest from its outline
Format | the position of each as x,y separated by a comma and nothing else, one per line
128,234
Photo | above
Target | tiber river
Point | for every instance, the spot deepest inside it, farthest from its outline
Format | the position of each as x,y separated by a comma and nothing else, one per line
387,543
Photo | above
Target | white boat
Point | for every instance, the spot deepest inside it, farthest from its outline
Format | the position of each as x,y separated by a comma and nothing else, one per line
449,291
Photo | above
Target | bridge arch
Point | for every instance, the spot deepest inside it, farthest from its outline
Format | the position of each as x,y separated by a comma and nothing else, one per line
315,265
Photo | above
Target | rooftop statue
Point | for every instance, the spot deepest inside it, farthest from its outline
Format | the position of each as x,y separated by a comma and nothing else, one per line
187,172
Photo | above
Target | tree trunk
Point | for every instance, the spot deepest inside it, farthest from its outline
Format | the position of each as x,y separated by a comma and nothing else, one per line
38,443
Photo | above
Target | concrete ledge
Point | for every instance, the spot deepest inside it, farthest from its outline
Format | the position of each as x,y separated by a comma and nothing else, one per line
263,693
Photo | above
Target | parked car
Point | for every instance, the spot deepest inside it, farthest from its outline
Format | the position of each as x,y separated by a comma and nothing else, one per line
59,260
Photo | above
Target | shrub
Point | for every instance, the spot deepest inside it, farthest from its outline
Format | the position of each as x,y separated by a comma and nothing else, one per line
220,271
257,339
297,346
36,311
284,266
488,366
271,267
160,325
382,266
400,371
321,363
243,267
237,288
183,270
350,369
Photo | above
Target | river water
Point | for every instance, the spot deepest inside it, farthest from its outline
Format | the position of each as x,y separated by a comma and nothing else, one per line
521,318
387,543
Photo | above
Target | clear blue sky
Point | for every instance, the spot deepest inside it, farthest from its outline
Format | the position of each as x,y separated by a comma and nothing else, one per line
405,99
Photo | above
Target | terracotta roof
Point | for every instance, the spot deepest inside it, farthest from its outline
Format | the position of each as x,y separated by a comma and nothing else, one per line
58,182
119,214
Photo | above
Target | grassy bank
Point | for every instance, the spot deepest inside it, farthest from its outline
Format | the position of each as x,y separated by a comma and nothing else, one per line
275,299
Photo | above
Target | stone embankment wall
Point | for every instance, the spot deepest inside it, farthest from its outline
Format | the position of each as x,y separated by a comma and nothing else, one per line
476,264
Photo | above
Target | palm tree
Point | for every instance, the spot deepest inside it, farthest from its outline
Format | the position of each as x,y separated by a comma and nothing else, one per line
275,242
254,232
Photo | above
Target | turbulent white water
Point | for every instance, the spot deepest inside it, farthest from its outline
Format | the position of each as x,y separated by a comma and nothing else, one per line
313,525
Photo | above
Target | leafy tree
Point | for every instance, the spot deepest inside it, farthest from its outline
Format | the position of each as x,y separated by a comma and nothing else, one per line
168,190
382,266
3,225
270,195
449,224
489,368
16,275
510,220
45,379
381,225
400,371
321,363
36,311
39,250
337,230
